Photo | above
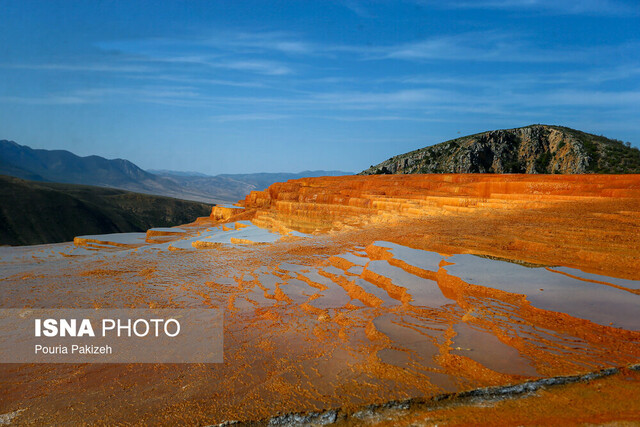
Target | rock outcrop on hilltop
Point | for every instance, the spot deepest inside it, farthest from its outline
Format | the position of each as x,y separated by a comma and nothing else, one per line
530,149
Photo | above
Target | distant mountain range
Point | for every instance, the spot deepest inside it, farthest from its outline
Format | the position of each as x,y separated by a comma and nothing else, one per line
530,149
176,173
233,187
65,167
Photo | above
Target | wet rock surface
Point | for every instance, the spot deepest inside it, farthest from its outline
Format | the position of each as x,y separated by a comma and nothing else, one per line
331,310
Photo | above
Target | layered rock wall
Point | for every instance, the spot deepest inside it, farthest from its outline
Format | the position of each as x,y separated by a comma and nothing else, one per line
590,222
334,201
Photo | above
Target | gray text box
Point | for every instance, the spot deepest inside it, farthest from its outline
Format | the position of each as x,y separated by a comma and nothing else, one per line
111,336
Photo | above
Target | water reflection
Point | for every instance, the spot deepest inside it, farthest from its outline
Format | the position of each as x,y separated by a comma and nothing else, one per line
372,323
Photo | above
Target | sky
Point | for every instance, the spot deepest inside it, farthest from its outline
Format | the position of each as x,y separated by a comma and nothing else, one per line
285,86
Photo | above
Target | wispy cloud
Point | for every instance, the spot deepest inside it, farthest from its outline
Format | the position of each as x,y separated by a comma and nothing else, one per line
44,100
358,8
249,117
106,68
504,95
382,100
608,7
257,66
202,81
385,118
488,46
540,81
252,54
270,68
253,42
588,98
279,54
241,51
181,73
177,96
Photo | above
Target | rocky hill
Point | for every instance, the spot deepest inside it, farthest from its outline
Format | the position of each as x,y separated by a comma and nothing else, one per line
530,149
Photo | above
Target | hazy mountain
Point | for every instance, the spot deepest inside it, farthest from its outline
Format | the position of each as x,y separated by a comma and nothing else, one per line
41,212
176,173
263,180
234,187
65,167
530,149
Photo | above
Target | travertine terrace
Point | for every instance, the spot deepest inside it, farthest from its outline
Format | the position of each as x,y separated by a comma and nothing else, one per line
342,292
587,220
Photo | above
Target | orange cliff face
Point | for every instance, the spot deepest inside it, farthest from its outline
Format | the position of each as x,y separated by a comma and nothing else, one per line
587,221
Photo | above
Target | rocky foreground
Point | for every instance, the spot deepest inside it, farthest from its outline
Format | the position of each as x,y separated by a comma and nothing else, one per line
346,292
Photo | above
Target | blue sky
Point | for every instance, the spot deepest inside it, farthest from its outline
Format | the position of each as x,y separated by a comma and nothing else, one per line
253,86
